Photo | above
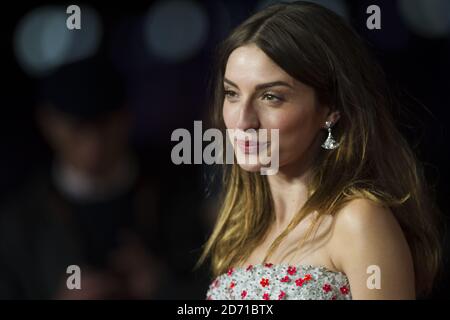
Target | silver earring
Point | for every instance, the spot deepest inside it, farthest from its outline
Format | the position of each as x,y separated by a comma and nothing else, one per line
330,143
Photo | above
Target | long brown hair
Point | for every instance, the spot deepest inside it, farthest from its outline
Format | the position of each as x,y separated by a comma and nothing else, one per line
374,161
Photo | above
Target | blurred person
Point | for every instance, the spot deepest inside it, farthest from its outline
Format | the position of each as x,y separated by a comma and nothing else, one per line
349,203
94,208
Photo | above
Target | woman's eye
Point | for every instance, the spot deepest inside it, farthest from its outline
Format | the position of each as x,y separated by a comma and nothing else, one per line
271,97
229,94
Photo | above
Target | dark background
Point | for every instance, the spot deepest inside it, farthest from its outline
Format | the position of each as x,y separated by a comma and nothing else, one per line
166,93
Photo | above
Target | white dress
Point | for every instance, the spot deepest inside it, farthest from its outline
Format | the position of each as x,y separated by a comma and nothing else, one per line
280,282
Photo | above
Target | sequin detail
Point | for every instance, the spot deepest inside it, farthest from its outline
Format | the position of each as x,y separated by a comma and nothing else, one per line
280,282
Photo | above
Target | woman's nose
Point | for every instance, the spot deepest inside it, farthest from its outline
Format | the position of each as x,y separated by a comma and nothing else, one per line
248,116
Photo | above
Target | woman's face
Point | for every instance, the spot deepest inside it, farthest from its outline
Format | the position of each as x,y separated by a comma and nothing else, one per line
260,95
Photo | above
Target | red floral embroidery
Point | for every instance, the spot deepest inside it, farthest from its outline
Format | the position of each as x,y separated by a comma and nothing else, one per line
250,267
216,283
243,294
230,271
281,295
344,290
232,284
266,296
268,265
264,282
334,298
291,270
326,288
299,282
209,298
285,279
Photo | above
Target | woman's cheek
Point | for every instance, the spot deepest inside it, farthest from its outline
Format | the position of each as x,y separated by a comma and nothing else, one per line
293,135
227,117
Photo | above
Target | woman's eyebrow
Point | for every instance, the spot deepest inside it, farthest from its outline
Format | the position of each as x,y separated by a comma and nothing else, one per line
262,85
273,84
231,83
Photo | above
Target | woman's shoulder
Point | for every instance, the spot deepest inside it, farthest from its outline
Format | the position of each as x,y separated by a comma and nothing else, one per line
364,220
367,234
363,215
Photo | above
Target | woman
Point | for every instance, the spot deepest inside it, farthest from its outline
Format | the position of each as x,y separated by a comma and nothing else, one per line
347,215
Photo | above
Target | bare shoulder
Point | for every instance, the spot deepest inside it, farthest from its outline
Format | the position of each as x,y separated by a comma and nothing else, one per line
367,234
365,223
362,216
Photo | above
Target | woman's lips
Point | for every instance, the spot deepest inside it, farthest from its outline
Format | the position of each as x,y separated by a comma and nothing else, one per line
250,147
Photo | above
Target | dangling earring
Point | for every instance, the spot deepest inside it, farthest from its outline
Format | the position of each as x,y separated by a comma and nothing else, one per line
330,143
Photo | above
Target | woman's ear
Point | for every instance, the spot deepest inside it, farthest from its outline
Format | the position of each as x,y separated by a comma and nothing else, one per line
333,117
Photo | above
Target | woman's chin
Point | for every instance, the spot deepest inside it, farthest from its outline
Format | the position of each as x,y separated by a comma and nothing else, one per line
250,167
249,164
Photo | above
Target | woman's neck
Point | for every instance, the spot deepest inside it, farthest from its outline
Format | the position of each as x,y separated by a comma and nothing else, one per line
289,187
289,193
